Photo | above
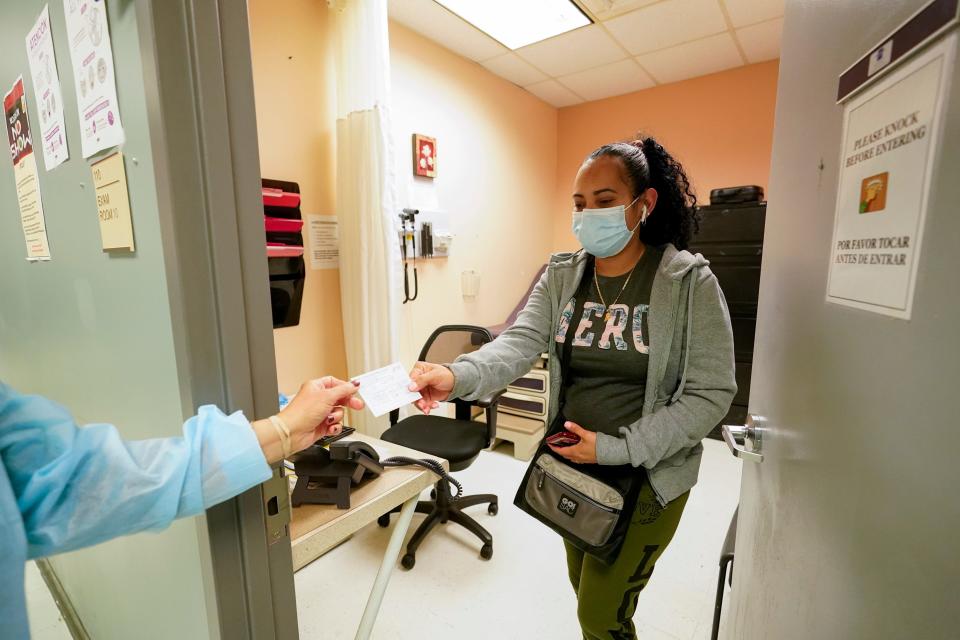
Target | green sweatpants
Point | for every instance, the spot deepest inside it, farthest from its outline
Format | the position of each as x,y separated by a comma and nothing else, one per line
607,594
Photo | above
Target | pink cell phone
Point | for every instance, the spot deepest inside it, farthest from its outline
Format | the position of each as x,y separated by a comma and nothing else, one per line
563,439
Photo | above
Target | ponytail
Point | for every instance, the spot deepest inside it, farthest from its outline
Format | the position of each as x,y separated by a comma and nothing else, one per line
647,164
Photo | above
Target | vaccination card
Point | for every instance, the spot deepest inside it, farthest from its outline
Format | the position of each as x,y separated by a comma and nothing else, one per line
386,389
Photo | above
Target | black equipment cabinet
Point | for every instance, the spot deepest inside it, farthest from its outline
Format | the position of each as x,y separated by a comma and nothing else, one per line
731,238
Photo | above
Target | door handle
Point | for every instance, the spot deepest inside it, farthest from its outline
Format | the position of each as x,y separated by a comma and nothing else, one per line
750,435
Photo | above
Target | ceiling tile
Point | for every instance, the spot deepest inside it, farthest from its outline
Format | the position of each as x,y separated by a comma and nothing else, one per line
761,41
666,24
692,59
552,92
744,12
514,69
573,51
606,9
614,79
445,28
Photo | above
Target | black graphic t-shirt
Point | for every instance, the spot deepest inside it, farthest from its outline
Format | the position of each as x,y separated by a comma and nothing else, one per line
608,360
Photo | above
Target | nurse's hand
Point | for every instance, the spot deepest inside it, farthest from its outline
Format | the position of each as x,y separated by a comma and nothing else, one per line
434,382
316,411
585,451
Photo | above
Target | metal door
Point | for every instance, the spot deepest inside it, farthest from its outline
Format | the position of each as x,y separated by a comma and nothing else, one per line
848,527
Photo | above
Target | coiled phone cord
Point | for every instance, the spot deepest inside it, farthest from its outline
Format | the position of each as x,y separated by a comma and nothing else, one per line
429,464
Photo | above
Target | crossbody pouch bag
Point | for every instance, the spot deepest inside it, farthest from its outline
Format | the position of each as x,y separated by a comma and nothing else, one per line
590,505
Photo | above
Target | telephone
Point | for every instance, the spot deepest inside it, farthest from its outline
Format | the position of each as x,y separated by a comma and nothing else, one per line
326,475
353,450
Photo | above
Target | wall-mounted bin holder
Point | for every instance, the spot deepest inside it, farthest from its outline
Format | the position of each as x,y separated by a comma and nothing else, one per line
283,251
277,196
283,227
287,277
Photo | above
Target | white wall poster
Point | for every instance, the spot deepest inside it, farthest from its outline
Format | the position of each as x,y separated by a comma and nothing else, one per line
890,138
25,173
92,56
46,92
324,236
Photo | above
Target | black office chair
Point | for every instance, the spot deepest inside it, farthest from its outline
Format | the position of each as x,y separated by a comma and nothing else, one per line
726,568
459,440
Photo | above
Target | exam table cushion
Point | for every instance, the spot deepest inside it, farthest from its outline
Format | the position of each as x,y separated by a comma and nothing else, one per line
455,440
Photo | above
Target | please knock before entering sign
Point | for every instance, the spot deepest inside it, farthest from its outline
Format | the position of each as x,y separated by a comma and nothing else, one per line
890,138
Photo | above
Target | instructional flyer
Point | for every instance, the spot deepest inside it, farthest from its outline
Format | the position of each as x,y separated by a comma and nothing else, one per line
25,173
889,148
324,242
92,56
46,89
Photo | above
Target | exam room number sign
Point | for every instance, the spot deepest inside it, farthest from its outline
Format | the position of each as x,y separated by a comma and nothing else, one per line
113,203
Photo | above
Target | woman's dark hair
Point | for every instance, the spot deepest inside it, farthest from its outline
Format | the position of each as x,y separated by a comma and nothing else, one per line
647,164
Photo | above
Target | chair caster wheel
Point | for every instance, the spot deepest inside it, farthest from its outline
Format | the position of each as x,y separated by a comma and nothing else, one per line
408,560
493,509
433,494
486,551
384,520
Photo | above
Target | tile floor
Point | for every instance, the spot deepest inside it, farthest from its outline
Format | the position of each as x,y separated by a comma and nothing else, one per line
522,592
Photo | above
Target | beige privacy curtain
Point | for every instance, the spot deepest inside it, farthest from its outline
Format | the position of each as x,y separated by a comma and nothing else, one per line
366,201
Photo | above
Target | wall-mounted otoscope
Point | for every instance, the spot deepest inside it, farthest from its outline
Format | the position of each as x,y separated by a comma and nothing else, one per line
408,236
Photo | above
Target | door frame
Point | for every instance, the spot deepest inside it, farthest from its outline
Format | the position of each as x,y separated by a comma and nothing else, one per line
202,117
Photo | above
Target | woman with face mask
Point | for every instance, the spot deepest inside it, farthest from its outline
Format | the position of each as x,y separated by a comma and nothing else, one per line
651,368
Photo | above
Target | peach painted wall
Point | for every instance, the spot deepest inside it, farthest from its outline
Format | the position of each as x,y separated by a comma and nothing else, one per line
496,182
296,118
719,126
506,163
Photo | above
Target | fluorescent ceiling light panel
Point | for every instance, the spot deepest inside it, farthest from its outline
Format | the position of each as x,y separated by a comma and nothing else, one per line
517,24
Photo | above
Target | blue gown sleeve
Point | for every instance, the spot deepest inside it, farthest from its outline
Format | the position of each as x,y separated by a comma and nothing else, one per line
78,486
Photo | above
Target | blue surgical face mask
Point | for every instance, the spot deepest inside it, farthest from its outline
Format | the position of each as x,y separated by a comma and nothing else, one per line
604,232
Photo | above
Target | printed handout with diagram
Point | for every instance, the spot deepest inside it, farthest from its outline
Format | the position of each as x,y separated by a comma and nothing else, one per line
386,389
46,92
92,58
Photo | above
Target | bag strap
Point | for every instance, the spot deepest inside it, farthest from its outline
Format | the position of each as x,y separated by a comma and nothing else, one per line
566,352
